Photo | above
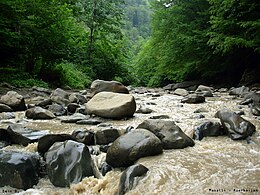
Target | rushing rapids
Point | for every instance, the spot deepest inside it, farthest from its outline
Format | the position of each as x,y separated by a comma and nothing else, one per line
213,165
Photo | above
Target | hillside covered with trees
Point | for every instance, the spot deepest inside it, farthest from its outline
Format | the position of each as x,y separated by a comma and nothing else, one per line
139,42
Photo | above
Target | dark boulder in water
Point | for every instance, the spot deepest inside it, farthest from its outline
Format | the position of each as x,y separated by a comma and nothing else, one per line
234,125
131,146
68,163
19,170
168,132
130,178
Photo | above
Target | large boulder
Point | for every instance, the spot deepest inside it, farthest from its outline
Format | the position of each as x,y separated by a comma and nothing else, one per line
68,163
19,170
130,178
14,101
208,128
111,105
234,125
39,113
110,86
168,132
131,146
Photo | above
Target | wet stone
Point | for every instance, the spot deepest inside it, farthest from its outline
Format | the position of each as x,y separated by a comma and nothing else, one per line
17,134
68,163
89,122
106,136
207,128
19,170
234,125
45,142
57,109
130,178
84,136
73,118
39,113
193,99
168,132
131,146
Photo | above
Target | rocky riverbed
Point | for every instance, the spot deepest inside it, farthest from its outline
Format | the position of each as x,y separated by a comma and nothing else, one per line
220,161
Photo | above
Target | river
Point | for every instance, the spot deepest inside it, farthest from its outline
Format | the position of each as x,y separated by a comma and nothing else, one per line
215,165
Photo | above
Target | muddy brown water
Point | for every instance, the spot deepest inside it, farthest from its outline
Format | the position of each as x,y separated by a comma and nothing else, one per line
215,165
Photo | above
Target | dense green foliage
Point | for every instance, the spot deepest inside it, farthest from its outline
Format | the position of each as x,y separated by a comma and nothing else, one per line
200,39
83,36
145,42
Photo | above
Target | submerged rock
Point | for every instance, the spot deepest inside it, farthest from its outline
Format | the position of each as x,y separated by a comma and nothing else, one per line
130,178
19,170
73,118
234,125
131,146
168,132
68,163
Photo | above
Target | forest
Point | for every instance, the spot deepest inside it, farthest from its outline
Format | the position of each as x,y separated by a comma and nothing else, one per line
70,43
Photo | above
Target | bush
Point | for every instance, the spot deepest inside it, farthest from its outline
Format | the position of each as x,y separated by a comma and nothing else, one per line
71,76
20,79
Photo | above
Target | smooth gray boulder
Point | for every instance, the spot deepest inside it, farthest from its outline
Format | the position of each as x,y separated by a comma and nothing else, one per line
168,132
60,96
111,105
14,101
57,109
131,146
204,91
234,125
110,86
181,92
68,163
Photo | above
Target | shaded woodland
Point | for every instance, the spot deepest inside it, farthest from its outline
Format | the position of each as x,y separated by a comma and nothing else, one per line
138,42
